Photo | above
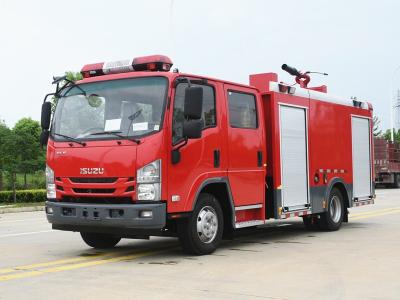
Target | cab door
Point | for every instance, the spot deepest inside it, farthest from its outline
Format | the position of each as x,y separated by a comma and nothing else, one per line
201,159
246,157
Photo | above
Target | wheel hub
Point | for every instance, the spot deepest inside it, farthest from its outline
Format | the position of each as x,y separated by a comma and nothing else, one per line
207,224
335,209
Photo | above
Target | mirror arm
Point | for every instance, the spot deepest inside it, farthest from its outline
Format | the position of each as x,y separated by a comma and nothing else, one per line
58,90
67,82
57,79
49,94
70,84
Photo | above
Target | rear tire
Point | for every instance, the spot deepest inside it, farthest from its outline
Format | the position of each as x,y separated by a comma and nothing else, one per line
332,219
100,240
202,232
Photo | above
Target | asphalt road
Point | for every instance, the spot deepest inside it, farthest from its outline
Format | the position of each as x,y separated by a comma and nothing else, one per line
280,261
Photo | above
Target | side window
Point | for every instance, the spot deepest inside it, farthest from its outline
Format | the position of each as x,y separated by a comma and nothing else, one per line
208,114
242,110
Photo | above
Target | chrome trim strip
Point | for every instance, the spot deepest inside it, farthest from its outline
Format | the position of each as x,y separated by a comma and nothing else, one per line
249,223
245,207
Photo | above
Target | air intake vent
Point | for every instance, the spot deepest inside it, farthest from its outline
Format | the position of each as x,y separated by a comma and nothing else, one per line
93,180
94,191
97,200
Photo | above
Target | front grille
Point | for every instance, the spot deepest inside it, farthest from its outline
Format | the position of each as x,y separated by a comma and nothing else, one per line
93,191
97,200
130,189
93,179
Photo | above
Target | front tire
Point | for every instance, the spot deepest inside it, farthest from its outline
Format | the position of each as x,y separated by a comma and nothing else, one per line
202,232
332,219
100,240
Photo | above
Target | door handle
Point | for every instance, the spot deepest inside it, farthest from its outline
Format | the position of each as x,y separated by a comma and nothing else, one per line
259,158
217,158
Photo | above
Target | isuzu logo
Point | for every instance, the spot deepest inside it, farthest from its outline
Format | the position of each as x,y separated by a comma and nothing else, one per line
92,171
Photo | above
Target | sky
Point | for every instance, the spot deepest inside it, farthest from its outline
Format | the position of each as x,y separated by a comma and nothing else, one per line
356,42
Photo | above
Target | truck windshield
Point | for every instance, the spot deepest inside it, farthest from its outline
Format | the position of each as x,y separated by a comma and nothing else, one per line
111,109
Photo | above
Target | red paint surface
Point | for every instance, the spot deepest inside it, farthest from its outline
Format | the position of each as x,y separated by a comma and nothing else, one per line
329,148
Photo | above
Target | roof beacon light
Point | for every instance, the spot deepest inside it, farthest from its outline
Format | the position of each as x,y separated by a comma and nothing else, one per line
152,63
144,63
119,66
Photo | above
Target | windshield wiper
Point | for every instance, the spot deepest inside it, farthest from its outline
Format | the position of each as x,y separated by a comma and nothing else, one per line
132,117
116,133
70,139
135,115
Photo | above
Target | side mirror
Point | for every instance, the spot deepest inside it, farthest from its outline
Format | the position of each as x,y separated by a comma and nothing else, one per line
193,124
44,137
46,115
193,104
192,129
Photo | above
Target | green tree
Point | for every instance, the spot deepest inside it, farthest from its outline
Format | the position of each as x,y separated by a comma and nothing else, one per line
4,133
396,135
376,130
10,159
30,155
73,76
20,150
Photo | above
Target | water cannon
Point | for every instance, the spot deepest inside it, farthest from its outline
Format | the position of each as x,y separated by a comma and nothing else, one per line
292,71
303,78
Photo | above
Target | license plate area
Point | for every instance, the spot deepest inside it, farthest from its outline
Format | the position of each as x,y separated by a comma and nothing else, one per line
89,213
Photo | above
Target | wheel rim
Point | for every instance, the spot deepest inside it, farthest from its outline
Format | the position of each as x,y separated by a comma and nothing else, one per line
207,224
335,209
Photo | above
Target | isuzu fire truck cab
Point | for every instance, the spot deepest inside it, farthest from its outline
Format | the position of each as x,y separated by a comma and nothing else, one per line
134,150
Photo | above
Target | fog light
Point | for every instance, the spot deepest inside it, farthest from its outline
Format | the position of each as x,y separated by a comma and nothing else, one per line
146,214
49,210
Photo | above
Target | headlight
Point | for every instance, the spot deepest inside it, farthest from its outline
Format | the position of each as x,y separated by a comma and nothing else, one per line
148,191
150,172
149,181
50,186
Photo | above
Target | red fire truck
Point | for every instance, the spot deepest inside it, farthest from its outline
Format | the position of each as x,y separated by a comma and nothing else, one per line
134,150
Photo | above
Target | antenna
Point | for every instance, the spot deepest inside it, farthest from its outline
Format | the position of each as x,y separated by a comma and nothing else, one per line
313,72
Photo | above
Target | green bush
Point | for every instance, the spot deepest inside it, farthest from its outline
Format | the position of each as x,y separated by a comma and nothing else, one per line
36,180
23,196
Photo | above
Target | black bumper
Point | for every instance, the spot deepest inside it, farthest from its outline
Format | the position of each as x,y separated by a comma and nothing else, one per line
105,218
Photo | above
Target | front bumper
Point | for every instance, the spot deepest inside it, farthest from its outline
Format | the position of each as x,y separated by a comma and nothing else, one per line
77,216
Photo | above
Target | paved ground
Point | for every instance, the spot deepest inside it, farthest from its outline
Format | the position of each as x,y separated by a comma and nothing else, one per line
280,261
